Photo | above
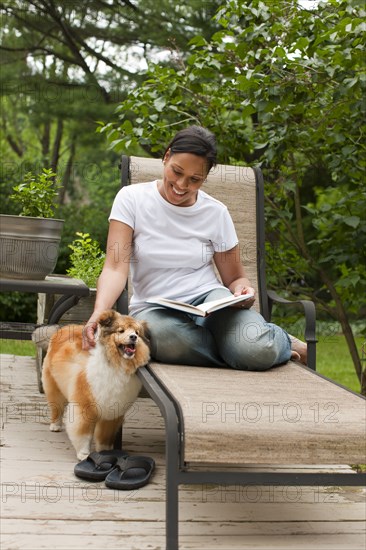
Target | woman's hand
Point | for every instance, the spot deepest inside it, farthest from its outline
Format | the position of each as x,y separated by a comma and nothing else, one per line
243,290
233,276
89,333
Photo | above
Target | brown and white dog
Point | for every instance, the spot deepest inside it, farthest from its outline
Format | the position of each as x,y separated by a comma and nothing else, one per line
99,385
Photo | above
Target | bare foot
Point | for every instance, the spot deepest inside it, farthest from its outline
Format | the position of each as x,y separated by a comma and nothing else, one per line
299,350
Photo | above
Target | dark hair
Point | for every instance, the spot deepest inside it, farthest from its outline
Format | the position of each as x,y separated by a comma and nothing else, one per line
196,140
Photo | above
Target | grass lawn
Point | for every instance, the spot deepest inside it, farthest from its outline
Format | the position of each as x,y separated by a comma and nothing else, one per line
334,361
333,358
17,347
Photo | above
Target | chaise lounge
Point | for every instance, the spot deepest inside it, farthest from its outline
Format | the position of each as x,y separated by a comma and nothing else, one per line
238,427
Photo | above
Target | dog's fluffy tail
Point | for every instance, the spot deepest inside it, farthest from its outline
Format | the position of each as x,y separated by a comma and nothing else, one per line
42,335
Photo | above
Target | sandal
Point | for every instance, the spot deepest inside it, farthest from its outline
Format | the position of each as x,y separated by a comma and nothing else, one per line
131,472
98,465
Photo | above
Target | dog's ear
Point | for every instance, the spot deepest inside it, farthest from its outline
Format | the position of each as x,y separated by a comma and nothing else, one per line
107,318
145,332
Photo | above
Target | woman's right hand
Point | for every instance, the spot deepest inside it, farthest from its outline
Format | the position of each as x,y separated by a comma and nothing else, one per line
89,333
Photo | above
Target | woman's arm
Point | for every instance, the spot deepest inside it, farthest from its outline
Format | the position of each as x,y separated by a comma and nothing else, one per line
232,273
113,278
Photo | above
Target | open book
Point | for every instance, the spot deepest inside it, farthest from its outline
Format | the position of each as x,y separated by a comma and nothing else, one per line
202,309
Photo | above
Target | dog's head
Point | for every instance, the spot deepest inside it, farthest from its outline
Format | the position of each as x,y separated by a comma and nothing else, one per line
124,339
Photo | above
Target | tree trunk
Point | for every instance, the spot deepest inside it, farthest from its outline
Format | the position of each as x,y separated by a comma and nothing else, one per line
45,142
57,145
67,173
16,148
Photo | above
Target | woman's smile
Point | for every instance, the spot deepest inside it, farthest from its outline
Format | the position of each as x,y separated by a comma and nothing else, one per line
180,193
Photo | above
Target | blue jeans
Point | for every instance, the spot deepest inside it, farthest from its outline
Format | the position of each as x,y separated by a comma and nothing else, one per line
238,338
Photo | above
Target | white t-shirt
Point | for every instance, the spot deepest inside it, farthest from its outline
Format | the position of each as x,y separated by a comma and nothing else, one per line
173,246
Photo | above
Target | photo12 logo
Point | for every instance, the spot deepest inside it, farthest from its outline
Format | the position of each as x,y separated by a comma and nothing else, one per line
270,412
53,492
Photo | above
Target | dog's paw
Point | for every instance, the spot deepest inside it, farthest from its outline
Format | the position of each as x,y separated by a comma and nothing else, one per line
82,455
54,427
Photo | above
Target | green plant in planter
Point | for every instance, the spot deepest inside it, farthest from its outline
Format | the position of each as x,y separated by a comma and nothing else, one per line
87,259
29,242
37,195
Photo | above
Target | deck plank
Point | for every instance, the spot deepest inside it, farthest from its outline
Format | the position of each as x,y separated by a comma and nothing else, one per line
44,505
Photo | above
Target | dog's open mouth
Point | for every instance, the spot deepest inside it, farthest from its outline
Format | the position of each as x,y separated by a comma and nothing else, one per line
128,349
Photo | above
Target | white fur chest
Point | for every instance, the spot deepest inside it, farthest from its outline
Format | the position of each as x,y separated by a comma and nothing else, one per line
113,389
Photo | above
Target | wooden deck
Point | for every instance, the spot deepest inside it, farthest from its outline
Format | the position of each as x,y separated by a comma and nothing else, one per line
45,506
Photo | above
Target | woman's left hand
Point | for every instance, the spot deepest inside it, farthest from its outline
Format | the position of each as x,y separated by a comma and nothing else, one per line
242,290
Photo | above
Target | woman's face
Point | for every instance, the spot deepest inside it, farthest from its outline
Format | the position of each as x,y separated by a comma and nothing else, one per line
184,173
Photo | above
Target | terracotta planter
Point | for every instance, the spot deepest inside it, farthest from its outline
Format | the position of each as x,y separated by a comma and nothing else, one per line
29,247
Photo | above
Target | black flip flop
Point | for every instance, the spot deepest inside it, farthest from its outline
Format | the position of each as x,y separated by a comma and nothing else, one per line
98,465
130,473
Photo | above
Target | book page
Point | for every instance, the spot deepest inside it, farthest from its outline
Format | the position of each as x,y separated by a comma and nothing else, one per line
213,304
175,304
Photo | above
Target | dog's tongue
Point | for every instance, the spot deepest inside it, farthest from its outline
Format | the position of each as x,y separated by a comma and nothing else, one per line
130,351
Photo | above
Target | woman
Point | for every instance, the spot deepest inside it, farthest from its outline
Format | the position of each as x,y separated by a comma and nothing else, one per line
166,231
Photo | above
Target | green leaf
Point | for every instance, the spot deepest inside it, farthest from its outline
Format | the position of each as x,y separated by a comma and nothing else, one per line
352,221
302,43
159,104
197,41
279,52
350,280
248,110
117,144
